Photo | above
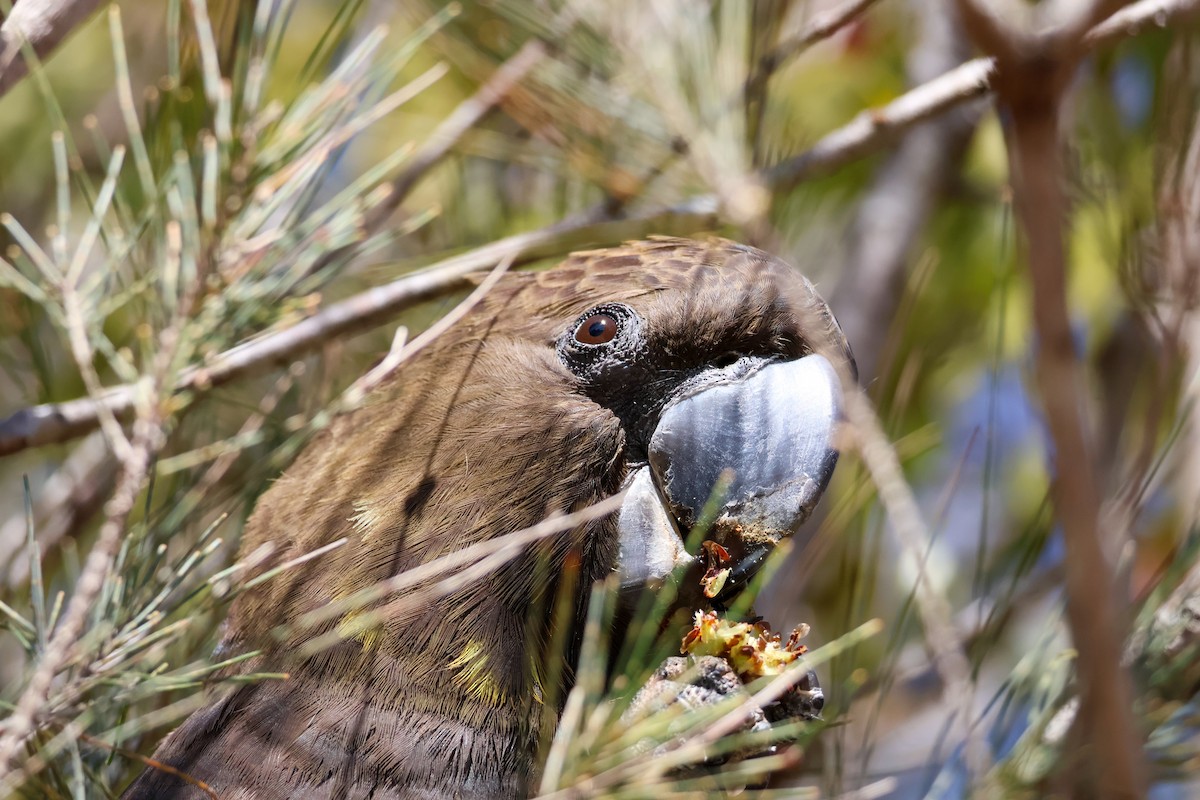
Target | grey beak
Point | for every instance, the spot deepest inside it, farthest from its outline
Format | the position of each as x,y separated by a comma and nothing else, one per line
651,547
770,431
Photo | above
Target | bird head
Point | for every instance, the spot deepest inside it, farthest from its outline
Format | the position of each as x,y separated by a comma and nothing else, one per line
670,368
720,364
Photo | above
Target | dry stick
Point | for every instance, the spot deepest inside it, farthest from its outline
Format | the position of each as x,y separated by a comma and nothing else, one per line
943,636
1092,608
58,422
403,350
151,763
822,25
871,128
1135,18
42,24
1034,70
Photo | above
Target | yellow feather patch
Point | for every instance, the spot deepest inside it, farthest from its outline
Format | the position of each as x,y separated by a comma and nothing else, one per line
366,519
354,625
473,674
535,673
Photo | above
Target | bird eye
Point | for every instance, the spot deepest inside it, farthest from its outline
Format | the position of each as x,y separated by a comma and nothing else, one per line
597,329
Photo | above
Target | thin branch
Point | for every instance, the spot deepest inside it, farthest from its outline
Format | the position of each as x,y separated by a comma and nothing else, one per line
403,350
822,25
1035,66
871,129
944,638
151,763
1137,17
41,25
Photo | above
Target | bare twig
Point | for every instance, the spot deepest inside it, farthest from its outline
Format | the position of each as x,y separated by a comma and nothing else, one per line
943,637
822,25
40,24
402,351
151,763
1136,17
1034,67
868,131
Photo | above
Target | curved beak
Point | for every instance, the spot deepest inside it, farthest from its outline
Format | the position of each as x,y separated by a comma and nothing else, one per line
762,438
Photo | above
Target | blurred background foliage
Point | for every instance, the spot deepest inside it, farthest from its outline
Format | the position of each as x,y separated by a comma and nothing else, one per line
248,198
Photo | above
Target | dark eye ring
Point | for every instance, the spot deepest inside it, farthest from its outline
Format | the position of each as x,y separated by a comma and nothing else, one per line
598,328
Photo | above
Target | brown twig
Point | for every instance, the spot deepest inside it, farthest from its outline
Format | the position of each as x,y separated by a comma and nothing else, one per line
403,350
944,638
872,128
822,25
151,763
1034,67
1136,17
41,25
